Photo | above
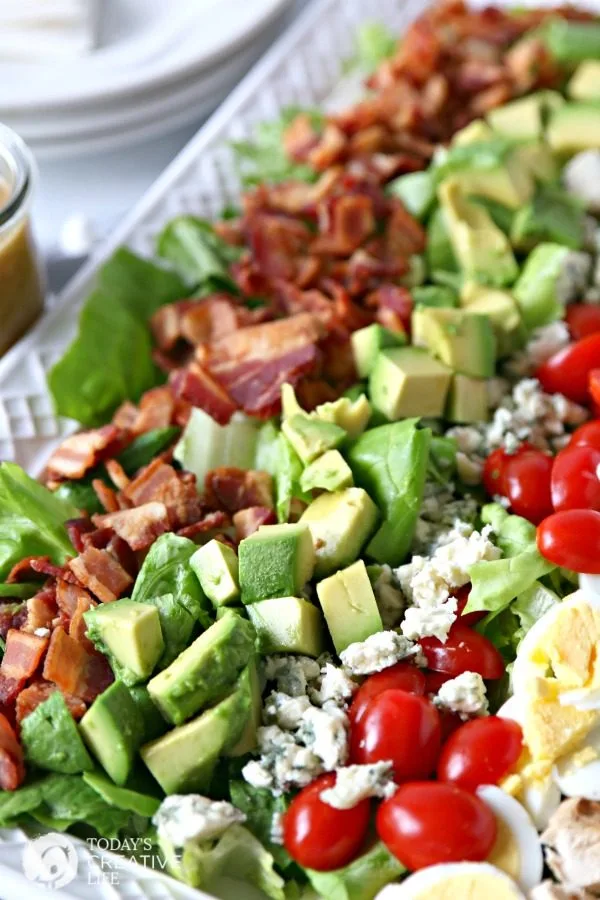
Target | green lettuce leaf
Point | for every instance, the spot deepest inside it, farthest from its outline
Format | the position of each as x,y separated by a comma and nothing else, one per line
288,471
146,446
176,624
374,43
264,158
31,520
260,806
197,252
390,463
110,359
362,879
531,606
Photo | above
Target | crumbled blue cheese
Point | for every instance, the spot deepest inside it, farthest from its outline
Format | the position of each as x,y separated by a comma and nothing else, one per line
283,710
433,621
543,343
325,732
336,686
292,674
574,277
440,512
581,177
379,651
356,783
465,695
284,762
192,817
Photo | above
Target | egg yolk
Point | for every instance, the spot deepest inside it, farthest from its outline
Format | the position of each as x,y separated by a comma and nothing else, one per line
506,854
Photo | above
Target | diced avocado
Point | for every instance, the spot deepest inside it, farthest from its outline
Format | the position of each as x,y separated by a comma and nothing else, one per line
524,118
113,728
51,740
482,249
130,634
452,280
349,606
585,83
416,190
249,683
123,798
417,271
216,566
329,472
340,524
502,310
574,127
459,338
552,215
205,670
439,250
467,400
276,561
351,415
537,158
176,624
500,215
289,404
287,625
367,342
205,444
409,382
475,132
508,184
183,760
434,295
153,724
536,289
311,437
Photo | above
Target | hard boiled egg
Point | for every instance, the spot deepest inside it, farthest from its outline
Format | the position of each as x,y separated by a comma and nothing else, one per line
590,587
518,850
578,774
450,881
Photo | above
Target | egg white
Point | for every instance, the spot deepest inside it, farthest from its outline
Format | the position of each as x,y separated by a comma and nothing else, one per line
575,780
434,876
523,831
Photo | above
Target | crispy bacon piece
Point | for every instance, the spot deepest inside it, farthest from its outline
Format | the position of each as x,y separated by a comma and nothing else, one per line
68,599
12,766
345,223
156,410
82,451
106,495
276,242
165,324
76,528
101,573
249,520
393,306
234,489
31,697
330,148
42,565
40,610
117,473
209,319
261,343
125,415
217,519
199,388
77,626
300,137
10,688
97,675
139,526
23,654
22,571
65,662
159,481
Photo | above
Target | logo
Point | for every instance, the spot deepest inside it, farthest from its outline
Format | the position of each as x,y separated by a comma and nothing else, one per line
50,860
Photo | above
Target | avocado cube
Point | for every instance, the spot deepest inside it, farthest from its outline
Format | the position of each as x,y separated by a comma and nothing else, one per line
153,723
409,382
183,760
434,295
329,472
503,313
311,437
524,118
476,132
552,215
574,127
350,414
536,157
509,184
367,342
439,250
416,190
462,340
287,625
113,728
51,740
249,687
536,290
585,83
349,606
276,561
340,524
216,566
205,670
467,400
130,634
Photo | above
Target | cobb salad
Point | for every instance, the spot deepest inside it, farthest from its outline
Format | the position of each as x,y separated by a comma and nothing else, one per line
313,598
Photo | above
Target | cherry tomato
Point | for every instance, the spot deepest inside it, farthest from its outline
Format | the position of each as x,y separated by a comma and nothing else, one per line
527,479
462,597
426,823
587,435
583,319
402,727
571,539
320,837
450,722
575,481
594,387
494,471
465,650
434,681
403,676
567,372
480,752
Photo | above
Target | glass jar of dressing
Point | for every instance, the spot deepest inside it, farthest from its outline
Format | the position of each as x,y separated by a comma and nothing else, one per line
21,280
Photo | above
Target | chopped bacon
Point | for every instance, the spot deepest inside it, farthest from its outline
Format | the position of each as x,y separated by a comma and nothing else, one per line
41,565
31,697
161,482
82,451
65,662
276,242
12,766
68,599
40,610
156,410
234,489
199,388
76,528
96,676
217,519
12,615
139,526
165,324
404,236
300,137
209,319
23,654
394,307
106,495
22,571
330,148
249,520
77,626
101,573
117,473
10,688
345,223
125,415
261,343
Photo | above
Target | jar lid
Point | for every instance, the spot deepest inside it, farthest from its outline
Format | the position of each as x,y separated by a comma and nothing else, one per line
16,166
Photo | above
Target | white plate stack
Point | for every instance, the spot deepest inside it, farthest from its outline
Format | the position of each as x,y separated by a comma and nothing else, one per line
153,66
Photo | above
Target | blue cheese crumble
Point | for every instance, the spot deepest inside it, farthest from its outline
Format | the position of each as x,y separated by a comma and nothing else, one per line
465,695
192,817
379,651
356,783
325,732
